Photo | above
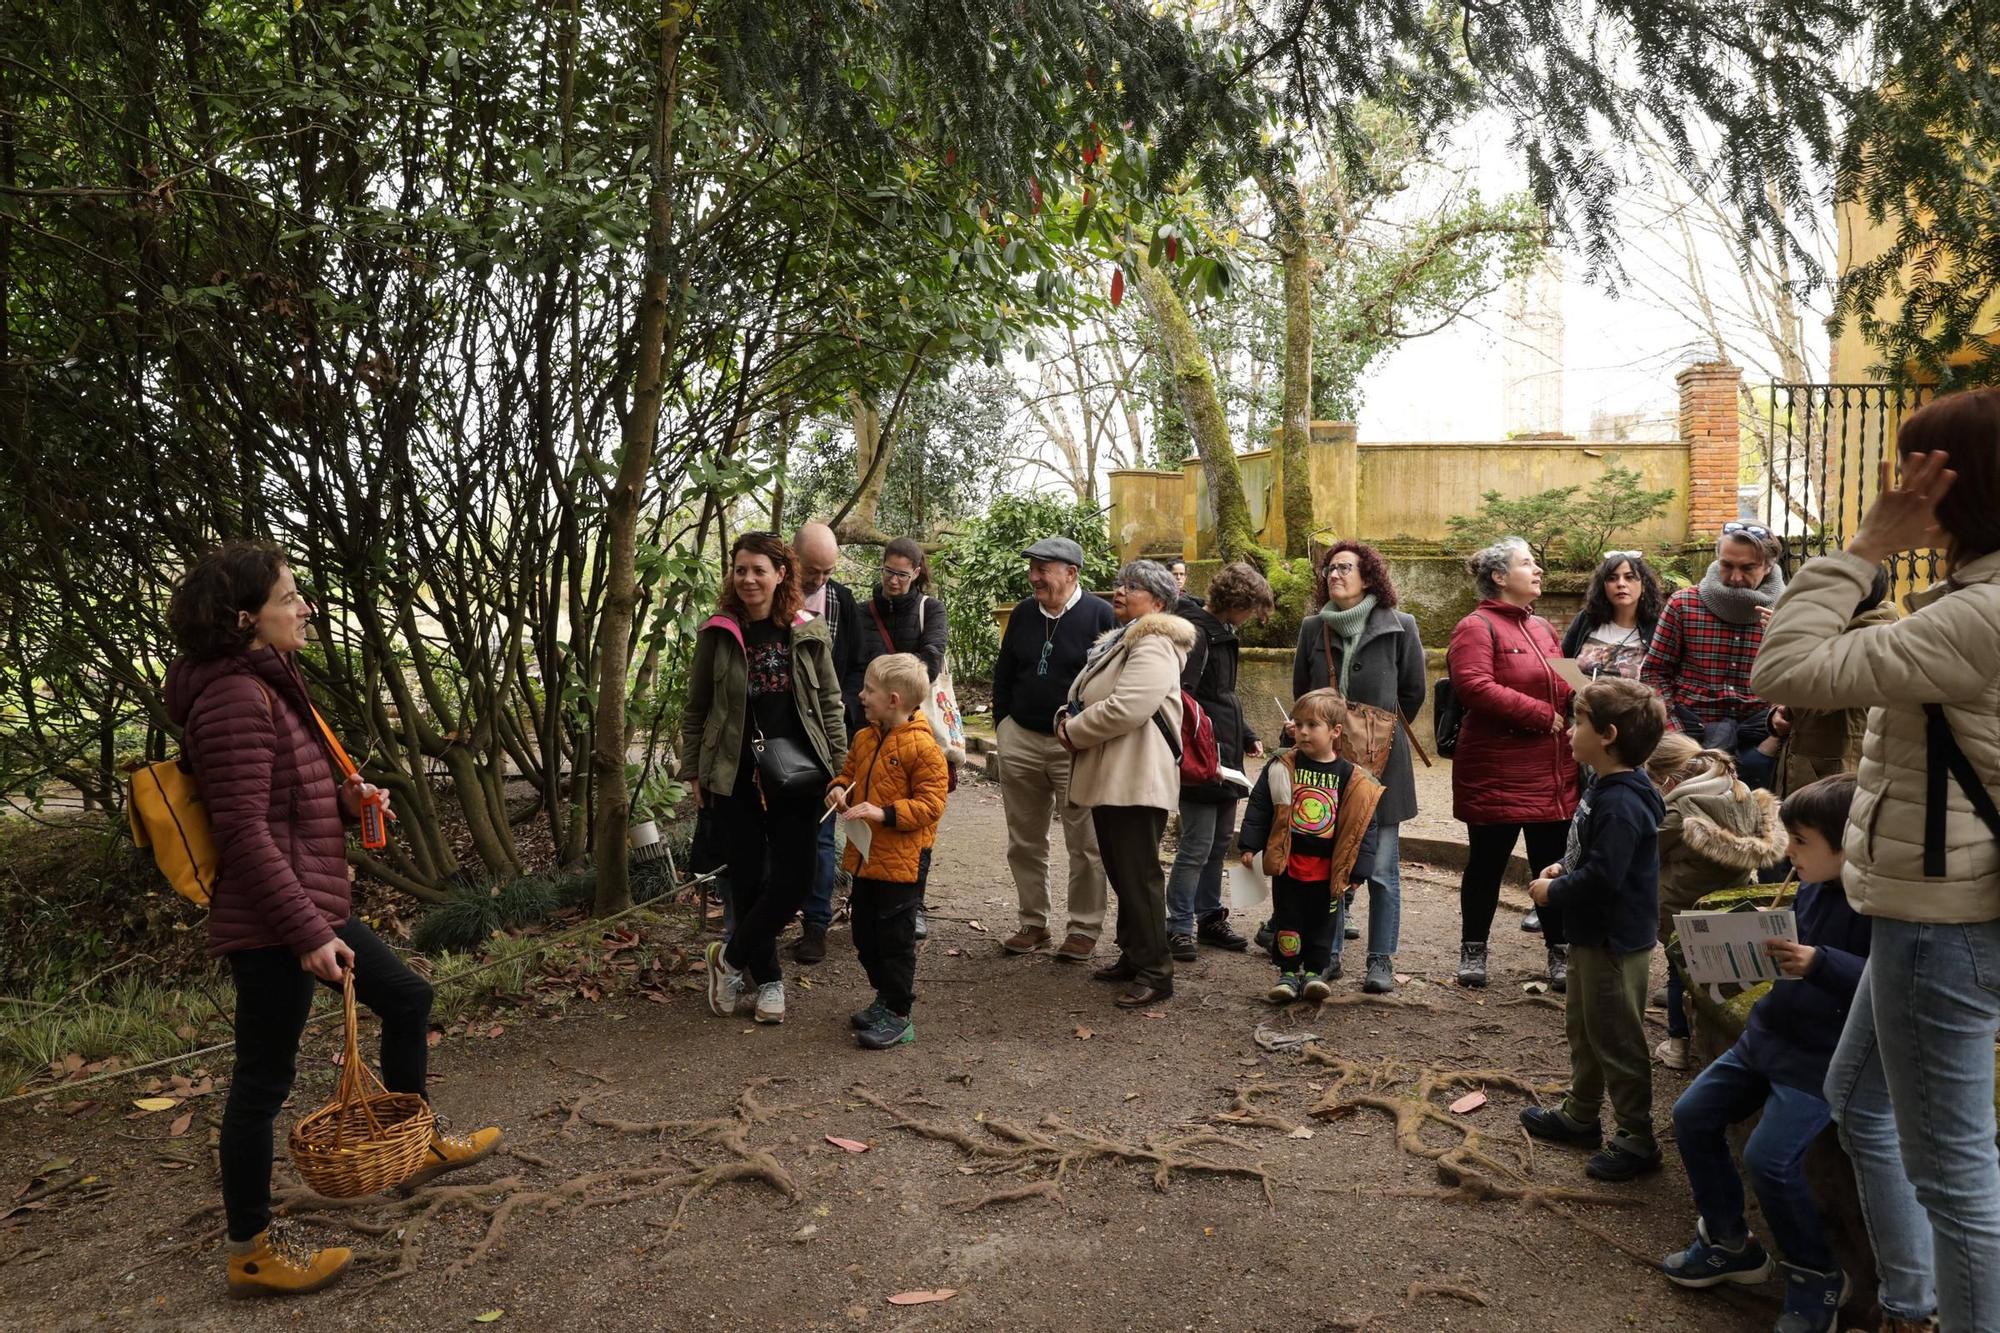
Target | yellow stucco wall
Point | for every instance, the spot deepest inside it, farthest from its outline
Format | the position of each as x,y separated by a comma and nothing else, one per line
1147,512
1411,490
1857,241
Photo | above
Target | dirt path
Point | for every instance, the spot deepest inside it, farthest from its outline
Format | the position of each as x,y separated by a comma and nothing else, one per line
795,1232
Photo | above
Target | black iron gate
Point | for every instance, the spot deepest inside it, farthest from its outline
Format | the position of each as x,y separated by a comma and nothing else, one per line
1823,448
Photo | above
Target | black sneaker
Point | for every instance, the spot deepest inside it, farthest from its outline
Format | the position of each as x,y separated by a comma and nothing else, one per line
811,947
1334,971
894,1030
1182,947
1553,1126
1619,1161
1264,936
1472,965
1381,975
1559,968
923,925
1217,933
863,1019
1532,922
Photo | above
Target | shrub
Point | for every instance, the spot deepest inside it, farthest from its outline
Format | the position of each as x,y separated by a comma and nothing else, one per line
981,567
1292,589
1563,531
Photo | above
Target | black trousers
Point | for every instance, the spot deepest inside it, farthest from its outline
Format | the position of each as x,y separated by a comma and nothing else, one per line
885,935
273,997
1128,841
770,850
1488,847
1304,920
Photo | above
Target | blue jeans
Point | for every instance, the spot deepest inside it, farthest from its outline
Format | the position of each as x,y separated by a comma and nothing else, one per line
1937,988
818,910
1898,1230
1385,891
1774,1157
1194,885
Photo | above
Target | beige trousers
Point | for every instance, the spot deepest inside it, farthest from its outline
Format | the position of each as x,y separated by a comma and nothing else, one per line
1034,784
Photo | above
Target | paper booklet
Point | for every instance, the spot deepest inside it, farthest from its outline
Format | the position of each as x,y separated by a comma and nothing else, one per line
1723,948
860,833
1248,889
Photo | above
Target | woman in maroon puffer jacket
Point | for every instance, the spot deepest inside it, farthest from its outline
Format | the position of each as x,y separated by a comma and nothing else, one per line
280,910
1513,773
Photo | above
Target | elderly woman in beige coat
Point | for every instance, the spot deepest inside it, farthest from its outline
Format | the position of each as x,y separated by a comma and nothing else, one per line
1122,726
1923,851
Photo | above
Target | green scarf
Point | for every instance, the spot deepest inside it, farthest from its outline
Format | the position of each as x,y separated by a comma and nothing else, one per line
1346,627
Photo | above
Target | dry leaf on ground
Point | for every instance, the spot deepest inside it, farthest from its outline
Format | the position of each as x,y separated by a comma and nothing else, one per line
847,1145
1471,1101
1084,1034
922,1297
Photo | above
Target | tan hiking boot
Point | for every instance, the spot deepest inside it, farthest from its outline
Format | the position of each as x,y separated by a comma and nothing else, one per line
276,1263
448,1152
1026,940
1076,948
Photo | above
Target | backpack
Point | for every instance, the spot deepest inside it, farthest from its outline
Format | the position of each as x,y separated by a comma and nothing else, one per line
1196,754
1447,713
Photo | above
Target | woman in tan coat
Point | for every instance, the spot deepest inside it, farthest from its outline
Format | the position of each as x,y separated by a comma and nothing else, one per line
1122,727
1923,837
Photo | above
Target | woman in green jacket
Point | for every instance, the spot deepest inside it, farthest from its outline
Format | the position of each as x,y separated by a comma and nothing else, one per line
763,680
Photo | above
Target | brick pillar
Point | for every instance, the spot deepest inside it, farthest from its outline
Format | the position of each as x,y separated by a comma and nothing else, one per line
1712,428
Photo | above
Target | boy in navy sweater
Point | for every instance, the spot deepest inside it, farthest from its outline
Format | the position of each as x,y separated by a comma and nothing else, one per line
1778,1067
1610,904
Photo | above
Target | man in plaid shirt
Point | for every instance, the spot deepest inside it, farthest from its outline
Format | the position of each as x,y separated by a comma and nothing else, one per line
1707,640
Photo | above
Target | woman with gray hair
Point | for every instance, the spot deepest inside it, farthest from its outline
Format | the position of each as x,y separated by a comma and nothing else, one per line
1513,774
1122,725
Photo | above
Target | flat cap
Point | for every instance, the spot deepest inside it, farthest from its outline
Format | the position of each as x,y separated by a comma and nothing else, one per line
1056,548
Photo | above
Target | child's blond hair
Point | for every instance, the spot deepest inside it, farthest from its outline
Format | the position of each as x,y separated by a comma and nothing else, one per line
1321,706
1668,757
903,675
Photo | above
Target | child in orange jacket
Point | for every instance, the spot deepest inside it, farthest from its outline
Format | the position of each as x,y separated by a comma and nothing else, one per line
892,795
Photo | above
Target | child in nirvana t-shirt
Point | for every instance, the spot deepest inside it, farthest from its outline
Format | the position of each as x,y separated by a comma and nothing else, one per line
1312,817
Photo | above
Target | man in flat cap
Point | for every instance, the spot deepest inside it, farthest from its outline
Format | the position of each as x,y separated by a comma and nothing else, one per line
1040,655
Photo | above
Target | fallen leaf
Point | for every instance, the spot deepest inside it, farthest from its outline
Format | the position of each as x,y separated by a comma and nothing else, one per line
1402,978
805,983
805,1233
434,1037
180,1125
1535,987
922,1297
1084,1034
1131,1096
156,1103
847,1145
1153,1013
53,1165
495,1031
487,1318
1208,1231
976,926
1300,1133
953,953
1470,1102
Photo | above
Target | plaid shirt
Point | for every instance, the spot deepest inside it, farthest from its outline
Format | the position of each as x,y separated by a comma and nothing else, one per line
1700,662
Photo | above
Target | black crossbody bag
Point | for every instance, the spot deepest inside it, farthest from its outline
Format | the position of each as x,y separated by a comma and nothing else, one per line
1944,759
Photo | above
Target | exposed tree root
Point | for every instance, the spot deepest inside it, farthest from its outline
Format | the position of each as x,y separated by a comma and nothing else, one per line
1041,1189
1469,1172
1243,1110
1054,1146
1420,1289
406,1219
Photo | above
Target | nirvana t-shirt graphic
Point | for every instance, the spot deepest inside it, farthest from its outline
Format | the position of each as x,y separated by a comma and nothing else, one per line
1315,807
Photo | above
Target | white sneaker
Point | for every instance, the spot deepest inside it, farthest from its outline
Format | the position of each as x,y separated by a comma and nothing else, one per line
771,1002
1673,1053
727,987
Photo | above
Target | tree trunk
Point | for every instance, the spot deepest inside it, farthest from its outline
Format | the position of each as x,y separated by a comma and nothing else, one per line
1194,385
621,536
1295,436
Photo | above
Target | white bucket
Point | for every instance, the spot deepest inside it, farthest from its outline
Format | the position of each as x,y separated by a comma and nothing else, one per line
643,834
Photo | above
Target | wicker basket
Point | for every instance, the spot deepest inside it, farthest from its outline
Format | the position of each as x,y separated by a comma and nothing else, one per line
367,1139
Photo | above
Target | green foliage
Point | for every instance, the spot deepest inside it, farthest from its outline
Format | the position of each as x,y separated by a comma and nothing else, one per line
472,913
1563,531
1292,589
982,568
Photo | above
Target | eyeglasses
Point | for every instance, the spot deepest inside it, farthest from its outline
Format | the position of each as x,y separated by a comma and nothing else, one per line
896,575
1757,530
1343,567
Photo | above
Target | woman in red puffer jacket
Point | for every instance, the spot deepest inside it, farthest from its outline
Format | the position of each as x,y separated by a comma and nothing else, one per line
1513,774
280,911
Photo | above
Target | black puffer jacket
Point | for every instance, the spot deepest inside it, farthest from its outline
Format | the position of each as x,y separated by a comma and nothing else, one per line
1210,676
916,624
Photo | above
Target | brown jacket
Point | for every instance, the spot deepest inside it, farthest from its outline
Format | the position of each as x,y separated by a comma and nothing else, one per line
905,773
269,787
1353,823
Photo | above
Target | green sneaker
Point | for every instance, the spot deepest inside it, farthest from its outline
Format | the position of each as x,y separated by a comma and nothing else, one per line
1288,988
893,1030
863,1019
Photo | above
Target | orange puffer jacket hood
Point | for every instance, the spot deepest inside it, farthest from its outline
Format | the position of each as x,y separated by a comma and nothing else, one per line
904,772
